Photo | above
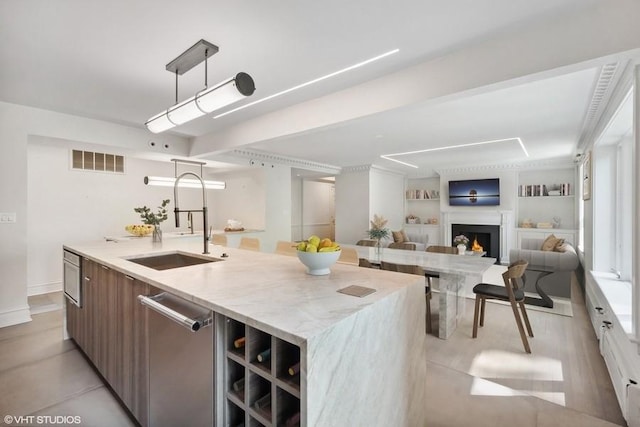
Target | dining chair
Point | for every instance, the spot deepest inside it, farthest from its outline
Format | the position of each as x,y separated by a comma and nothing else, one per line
363,262
440,250
510,292
250,243
348,256
402,245
413,269
286,248
219,239
366,242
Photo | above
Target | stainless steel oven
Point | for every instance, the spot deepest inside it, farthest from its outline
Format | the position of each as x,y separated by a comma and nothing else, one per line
72,277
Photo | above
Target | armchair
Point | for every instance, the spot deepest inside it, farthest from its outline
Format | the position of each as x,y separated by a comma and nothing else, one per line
555,265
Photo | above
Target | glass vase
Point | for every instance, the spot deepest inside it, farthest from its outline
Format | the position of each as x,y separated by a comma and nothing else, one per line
378,247
157,234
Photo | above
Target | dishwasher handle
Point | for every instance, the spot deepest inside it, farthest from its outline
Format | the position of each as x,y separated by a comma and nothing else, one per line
193,325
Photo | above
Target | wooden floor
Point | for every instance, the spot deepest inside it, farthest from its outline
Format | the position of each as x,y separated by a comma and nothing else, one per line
488,381
565,367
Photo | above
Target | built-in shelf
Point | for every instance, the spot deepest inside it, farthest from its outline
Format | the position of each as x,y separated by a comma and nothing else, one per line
263,378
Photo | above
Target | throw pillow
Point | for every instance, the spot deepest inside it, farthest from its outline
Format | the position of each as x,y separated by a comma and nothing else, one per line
398,236
561,246
549,243
404,237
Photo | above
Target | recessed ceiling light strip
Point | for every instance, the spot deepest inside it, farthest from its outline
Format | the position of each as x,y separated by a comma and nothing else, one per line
398,161
344,70
450,147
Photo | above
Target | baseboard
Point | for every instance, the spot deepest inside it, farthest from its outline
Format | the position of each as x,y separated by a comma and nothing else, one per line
15,317
44,288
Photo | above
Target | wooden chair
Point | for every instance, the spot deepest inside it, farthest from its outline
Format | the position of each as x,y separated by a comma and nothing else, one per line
348,256
366,243
250,243
286,248
509,292
443,249
440,250
403,245
363,262
219,239
413,269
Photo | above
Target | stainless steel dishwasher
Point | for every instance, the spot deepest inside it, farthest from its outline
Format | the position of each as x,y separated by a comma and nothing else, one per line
180,362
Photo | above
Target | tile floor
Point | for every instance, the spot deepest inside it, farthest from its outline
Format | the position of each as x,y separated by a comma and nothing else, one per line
43,375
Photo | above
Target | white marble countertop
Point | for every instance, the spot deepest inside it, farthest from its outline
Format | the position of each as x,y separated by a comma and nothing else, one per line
442,263
269,291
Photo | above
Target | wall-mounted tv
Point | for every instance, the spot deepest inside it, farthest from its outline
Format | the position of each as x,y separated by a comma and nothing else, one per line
475,192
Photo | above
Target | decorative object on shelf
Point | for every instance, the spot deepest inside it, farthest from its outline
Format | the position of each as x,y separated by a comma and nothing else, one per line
586,176
557,222
139,230
154,219
526,223
412,219
208,99
544,225
378,230
435,194
461,241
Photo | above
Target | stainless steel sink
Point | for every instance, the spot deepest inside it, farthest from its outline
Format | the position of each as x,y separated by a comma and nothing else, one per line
171,260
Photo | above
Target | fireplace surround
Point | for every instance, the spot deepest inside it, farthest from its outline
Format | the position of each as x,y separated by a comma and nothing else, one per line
501,218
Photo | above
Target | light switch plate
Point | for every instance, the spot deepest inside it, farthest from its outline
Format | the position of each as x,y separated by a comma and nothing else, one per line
7,217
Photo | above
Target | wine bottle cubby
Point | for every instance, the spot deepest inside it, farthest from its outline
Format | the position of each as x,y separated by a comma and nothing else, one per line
262,384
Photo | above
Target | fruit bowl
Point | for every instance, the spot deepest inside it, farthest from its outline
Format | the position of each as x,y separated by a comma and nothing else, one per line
139,230
318,263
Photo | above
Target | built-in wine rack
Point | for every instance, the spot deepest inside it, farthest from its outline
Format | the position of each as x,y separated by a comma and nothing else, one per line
262,378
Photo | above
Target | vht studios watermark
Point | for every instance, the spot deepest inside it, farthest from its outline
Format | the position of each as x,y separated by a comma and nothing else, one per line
27,420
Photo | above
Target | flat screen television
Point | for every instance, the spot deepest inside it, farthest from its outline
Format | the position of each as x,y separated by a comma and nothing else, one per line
475,192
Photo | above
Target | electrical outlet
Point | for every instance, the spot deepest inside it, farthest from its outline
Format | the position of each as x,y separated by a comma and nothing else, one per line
7,217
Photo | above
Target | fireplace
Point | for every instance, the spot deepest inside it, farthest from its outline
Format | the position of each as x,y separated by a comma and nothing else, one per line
487,236
503,219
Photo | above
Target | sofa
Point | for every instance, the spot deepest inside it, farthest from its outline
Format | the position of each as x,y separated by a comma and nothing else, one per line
559,256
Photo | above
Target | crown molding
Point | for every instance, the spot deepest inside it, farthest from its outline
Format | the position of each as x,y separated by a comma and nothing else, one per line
357,168
262,156
538,164
613,83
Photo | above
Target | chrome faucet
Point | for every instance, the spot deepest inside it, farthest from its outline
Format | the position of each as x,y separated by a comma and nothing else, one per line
203,210
190,220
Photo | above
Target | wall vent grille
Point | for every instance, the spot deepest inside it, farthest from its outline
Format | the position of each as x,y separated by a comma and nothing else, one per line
101,162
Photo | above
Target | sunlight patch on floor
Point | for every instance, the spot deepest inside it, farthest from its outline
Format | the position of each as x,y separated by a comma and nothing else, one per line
503,364
481,387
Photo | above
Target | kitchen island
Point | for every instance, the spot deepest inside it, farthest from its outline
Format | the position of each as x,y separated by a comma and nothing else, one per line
361,359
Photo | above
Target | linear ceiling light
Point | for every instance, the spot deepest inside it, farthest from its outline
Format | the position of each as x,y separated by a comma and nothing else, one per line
344,70
163,181
207,100
450,147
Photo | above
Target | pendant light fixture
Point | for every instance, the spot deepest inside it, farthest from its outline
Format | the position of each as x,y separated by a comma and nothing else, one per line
198,182
207,100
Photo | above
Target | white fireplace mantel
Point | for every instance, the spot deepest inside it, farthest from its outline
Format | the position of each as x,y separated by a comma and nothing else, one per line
504,219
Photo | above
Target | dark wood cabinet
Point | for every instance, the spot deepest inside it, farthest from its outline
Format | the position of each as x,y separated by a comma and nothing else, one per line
110,328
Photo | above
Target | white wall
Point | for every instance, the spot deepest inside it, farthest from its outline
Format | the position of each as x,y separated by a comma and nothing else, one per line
352,205
244,199
66,205
17,125
260,198
386,191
